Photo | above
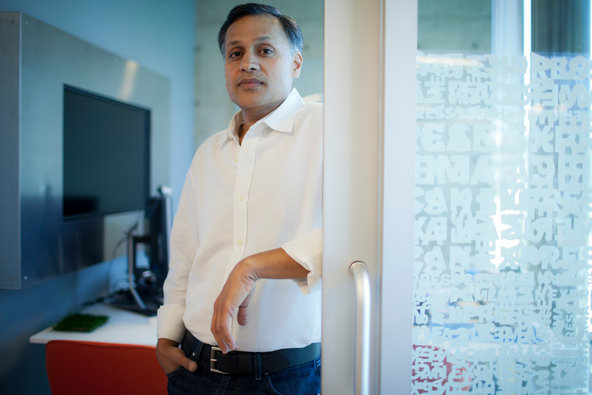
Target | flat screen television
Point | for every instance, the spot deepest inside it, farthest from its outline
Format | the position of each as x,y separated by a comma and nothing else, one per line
106,161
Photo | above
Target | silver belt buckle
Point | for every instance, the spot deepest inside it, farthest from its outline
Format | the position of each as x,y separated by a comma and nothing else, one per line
213,360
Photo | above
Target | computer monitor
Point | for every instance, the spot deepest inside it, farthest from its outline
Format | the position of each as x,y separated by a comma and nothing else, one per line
106,155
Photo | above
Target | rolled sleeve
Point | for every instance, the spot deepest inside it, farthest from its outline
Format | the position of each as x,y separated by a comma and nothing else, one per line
170,322
183,243
307,250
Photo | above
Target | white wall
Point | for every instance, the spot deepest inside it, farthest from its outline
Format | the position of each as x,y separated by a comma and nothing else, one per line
159,35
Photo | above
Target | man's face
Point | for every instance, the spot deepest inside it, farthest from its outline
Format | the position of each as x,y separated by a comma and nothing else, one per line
259,64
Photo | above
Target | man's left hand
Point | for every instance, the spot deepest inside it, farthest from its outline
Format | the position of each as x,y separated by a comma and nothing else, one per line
233,300
236,293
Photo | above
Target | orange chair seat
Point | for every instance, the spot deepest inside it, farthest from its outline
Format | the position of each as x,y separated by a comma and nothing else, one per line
76,367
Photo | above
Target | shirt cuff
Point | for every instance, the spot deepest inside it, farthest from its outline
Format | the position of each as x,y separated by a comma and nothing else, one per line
170,322
307,250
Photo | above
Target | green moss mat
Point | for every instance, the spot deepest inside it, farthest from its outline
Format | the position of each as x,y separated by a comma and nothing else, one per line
78,322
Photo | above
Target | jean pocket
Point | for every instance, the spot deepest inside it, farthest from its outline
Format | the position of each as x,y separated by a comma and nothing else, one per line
300,379
175,372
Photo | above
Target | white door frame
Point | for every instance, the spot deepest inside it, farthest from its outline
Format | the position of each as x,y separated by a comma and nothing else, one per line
398,195
359,47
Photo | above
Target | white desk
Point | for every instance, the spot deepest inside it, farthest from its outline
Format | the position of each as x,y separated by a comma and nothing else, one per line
123,327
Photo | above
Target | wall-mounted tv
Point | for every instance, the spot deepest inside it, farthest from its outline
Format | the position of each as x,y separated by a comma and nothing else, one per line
37,242
106,155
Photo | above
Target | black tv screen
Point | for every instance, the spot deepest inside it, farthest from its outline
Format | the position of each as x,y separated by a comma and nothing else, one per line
106,155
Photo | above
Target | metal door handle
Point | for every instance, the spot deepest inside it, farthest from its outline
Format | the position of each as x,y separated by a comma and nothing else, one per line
359,271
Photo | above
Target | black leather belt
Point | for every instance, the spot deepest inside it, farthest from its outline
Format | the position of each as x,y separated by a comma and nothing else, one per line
247,363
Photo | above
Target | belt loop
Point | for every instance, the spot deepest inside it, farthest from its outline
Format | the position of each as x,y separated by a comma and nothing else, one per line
197,351
191,346
186,342
256,363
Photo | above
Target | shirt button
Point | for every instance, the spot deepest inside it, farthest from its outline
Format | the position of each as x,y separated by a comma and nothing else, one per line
241,197
239,242
235,160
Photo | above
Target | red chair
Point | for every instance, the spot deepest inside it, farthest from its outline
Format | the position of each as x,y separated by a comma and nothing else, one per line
76,367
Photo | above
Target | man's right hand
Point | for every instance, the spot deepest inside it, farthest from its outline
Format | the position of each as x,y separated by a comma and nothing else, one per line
171,357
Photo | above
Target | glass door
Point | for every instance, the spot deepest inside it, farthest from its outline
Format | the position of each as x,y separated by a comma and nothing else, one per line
458,158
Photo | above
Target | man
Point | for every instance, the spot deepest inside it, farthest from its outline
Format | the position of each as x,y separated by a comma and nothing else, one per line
242,294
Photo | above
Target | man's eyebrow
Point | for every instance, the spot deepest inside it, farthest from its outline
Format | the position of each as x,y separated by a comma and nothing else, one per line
258,39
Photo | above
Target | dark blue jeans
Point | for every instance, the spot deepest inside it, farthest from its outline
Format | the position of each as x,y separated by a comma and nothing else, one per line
302,379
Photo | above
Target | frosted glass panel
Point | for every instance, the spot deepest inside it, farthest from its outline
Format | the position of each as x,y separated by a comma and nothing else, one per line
502,224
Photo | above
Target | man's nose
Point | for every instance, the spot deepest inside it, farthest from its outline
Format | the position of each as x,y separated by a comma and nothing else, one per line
249,62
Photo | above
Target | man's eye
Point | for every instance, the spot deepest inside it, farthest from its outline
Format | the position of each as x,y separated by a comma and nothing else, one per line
234,54
267,51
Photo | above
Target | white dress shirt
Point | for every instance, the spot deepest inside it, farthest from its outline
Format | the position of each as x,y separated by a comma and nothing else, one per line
239,200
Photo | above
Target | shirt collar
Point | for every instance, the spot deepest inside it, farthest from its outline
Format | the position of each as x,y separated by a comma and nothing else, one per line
281,119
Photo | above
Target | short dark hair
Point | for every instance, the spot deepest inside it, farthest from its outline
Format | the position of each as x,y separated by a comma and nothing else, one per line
290,26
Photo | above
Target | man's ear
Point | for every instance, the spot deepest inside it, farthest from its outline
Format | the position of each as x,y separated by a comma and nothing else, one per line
296,64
